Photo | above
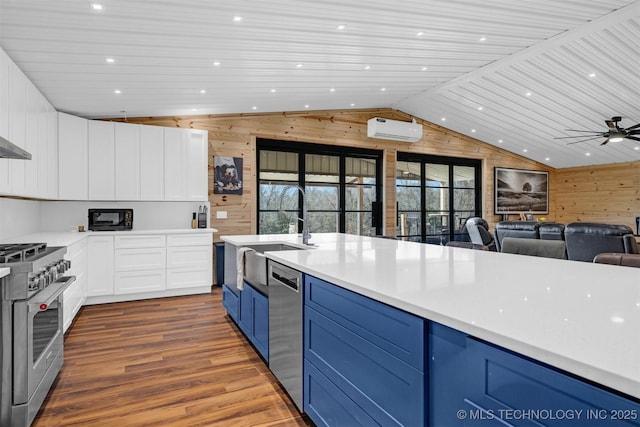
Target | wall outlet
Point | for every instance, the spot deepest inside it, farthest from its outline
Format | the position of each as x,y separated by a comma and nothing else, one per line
221,214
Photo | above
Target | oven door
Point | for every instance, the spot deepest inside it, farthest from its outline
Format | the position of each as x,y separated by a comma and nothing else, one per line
37,343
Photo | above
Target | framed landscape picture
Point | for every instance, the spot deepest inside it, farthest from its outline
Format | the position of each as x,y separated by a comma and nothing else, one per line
519,190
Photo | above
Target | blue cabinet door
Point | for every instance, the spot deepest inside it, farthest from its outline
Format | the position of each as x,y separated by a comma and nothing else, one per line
246,310
260,323
230,302
472,383
364,361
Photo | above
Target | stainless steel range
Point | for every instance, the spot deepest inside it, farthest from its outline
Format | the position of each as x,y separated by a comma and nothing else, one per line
31,344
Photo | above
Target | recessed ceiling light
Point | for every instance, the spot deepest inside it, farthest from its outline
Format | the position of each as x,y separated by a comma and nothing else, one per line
546,159
194,109
110,60
528,94
237,18
96,6
273,91
254,108
587,154
383,89
117,91
636,148
306,106
525,150
216,63
592,75
444,119
483,39
480,108
203,91
473,131
500,141
368,67
341,27
424,68
353,105
420,34
299,66
332,90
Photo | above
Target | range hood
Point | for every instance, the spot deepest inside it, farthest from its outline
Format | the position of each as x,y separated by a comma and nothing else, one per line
9,150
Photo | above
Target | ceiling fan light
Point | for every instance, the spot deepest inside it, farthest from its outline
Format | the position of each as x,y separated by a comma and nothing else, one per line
616,139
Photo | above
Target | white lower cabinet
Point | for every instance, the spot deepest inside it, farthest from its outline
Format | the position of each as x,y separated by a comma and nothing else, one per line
100,266
140,264
189,260
149,266
76,294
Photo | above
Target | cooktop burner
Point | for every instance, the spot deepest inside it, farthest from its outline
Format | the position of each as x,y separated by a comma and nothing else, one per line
20,252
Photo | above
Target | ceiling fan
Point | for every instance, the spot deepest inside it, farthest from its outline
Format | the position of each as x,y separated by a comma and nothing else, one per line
614,134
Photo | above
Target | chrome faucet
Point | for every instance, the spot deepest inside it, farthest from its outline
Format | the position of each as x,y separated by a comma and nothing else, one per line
305,226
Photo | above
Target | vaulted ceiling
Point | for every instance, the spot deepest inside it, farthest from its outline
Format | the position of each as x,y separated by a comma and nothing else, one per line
515,74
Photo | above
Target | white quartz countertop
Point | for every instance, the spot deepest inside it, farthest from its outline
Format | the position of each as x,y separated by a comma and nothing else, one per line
4,272
67,238
581,317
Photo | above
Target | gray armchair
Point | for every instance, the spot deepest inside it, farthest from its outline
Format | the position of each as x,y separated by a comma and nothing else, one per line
479,233
585,240
519,229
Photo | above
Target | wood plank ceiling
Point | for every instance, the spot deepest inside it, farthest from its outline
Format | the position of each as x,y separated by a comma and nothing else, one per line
472,63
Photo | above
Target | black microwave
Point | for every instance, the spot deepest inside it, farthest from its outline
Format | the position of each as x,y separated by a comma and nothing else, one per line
110,219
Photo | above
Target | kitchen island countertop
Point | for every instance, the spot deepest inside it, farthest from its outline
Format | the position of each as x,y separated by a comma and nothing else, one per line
580,317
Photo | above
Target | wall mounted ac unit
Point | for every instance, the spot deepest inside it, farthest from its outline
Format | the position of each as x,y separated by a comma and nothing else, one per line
394,130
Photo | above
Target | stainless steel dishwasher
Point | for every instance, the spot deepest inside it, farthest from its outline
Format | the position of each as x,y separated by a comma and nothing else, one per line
285,328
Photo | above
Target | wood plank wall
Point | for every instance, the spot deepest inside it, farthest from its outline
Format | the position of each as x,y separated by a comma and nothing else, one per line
602,194
606,193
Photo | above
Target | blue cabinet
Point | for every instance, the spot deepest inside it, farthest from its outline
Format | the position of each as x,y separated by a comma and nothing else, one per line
363,360
253,319
231,303
492,386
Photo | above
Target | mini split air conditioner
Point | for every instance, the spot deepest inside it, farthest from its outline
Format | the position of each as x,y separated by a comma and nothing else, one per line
394,130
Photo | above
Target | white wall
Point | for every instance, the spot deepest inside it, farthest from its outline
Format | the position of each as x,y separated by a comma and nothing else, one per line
66,216
18,217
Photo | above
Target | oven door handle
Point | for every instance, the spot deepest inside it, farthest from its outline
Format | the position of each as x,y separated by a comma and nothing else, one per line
43,299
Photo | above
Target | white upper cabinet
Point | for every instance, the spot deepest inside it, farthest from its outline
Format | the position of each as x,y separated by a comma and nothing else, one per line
127,161
197,166
175,164
185,164
101,160
51,191
17,126
33,134
151,163
72,158
5,183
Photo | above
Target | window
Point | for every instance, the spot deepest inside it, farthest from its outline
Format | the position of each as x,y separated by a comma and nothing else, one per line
342,185
435,196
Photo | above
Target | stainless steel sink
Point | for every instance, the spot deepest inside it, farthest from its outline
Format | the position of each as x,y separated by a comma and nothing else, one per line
255,263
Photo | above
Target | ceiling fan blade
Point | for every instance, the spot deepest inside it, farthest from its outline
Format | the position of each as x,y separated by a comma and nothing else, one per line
605,141
634,127
589,131
580,136
635,138
585,140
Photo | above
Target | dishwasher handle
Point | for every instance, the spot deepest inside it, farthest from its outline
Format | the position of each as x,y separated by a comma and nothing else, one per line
285,276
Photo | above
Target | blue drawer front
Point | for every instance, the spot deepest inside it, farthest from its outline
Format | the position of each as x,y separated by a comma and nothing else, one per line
395,331
230,302
327,406
260,336
500,380
388,389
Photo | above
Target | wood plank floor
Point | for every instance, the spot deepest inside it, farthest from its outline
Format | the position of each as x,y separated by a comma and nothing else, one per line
163,362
